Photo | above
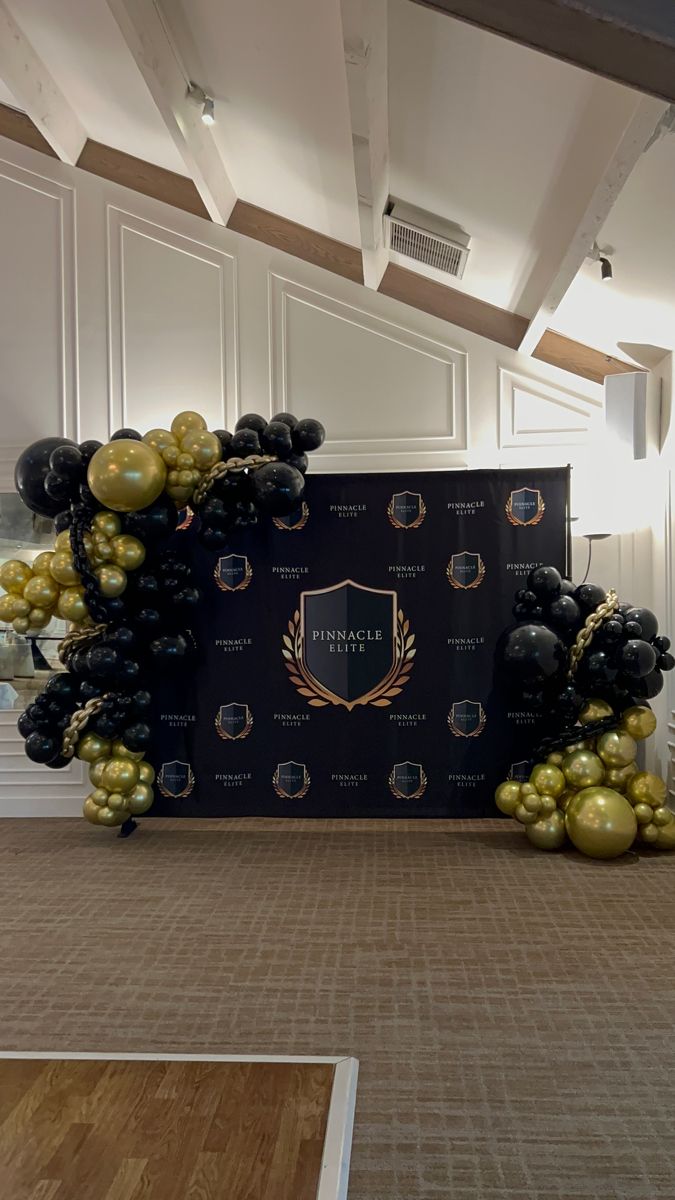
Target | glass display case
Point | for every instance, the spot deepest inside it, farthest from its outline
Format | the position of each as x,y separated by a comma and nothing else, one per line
25,661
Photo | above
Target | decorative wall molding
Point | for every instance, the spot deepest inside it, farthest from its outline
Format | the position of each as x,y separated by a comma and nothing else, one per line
29,790
533,413
379,381
196,361
66,299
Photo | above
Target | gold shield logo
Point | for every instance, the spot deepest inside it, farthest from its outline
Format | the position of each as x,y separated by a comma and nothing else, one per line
291,780
465,570
406,510
525,507
175,780
233,722
295,521
407,781
467,718
233,573
349,645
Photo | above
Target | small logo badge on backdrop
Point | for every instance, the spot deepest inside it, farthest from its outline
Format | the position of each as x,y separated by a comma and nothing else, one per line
519,771
406,510
175,779
465,570
185,519
294,521
467,718
349,645
233,721
233,573
407,781
525,507
291,780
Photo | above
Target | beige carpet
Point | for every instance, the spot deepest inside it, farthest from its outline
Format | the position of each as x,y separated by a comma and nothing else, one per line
512,1011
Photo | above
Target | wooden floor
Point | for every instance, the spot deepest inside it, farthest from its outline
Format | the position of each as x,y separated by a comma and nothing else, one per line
139,1130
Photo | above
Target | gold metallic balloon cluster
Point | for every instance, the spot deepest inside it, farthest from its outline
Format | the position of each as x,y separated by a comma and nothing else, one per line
122,780
593,793
50,585
187,451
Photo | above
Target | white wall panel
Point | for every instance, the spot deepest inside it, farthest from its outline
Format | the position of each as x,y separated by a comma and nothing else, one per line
172,325
534,413
29,790
38,314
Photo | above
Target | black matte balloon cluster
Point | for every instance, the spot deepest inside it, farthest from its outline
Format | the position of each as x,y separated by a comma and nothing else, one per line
130,599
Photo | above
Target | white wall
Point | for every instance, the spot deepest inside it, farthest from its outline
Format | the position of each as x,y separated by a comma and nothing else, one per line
119,310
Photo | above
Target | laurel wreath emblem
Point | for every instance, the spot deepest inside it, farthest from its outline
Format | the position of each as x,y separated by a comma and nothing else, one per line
541,508
239,587
380,696
414,524
234,737
414,795
461,732
180,795
284,795
187,519
279,523
466,587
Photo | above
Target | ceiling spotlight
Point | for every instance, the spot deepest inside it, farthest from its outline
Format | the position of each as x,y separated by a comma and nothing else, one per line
606,272
209,118
199,96
603,257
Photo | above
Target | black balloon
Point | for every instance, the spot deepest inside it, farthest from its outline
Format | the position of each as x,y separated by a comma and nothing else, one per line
88,450
103,661
123,434
276,439
137,736
287,418
278,488
62,521
637,658
141,701
67,461
250,421
308,435
531,654
661,644
167,650
29,475
646,620
589,596
647,687
40,747
244,442
60,488
24,725
157,521
564,613
567,587
598,666
665,662
213,539
62,687
545,582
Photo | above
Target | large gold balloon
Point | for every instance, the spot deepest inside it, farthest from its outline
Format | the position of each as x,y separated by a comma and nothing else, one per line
119,775
548,833
507,796
617,777
595,710
91,747
582,769
41,591
639,721
112,580
62,569
41,563
126,475
140,799
184,421
601,822
127,551
646,788
146,773
548,779
108,524
14,575
96,771
72,605
616,748
204,448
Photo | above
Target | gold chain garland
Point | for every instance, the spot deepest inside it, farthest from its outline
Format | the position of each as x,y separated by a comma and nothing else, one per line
591,625
236,465
76,639
77,724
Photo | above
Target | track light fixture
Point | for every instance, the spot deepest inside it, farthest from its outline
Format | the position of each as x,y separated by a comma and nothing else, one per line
199,96
603,257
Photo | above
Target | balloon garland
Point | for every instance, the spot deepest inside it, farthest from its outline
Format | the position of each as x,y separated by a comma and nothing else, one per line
129,599
589,665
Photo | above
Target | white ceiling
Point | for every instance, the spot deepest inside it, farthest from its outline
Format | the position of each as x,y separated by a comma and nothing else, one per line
482,131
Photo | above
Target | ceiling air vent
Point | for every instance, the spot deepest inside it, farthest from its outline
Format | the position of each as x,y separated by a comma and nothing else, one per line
427,238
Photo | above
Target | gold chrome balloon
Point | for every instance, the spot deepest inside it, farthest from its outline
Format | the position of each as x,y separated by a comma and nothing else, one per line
661,815
41,563
62,569
595,710
91,810
119,775
160,440
555,757
548,833
117,801
112,580
119,750
532,804
507,796
524,815
665,835
41,591
649,833
39,618
127,551
204,448
21,624
528,789
616,748
184,421
565,799
646,788
7,610
72,605
109,816
582,769
14,575
108,524
548,779
96,771
601,822
126,475
639,721
617,777
99,796
91,747
548,805
146,774
140,799
643,812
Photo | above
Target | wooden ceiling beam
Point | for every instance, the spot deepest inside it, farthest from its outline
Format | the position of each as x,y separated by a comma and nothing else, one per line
631,44
35,91
157,59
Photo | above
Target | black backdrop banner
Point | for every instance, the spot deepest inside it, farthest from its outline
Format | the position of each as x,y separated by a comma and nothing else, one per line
345,655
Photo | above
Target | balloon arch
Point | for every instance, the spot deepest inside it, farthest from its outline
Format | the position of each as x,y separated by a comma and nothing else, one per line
588,664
